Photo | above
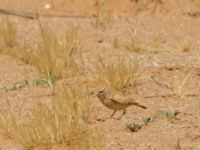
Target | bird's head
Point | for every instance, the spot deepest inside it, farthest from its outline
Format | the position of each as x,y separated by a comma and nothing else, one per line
103,93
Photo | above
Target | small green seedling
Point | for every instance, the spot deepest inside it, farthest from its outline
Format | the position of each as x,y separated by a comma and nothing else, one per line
44,81
12,88
48,80
133,127
148,120
17,86
170,115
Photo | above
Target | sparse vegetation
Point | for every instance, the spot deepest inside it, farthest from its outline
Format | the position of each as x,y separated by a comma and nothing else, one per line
134,127
100,15
17,86
134,45
41,81
170,115
186,47
44,81
144,4
118,74
64,121
148,120
8,32
52,55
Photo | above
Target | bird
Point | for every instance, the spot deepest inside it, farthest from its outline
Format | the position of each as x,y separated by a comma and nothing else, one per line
116,102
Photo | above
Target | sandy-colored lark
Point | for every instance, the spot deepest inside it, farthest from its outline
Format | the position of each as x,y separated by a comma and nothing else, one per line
116,102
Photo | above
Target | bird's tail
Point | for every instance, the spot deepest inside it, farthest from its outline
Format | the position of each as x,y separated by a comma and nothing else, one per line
139,105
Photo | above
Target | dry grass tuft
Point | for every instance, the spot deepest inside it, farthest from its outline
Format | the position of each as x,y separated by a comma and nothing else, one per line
101,15
154,5
8,32
186,47
62,121
134,45
118,74
53,55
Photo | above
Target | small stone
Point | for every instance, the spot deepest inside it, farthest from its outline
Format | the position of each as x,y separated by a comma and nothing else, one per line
47,6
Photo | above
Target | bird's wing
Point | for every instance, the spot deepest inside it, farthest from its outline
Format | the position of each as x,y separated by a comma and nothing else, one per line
120,98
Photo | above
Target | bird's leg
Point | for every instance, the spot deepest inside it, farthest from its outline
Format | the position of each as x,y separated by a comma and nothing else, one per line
113,113
124,112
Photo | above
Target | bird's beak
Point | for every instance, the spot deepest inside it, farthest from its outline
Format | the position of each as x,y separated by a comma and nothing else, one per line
97,92
102,89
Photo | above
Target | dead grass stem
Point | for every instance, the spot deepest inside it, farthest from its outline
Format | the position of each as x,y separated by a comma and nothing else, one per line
8,32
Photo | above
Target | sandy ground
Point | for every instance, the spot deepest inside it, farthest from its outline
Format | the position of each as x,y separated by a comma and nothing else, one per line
162,36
